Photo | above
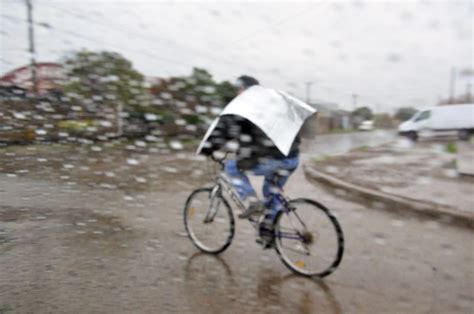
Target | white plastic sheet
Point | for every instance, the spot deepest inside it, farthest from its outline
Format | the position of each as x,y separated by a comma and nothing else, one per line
276,113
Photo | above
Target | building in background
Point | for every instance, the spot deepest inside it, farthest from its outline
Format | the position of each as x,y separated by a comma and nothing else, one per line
49,76
330,118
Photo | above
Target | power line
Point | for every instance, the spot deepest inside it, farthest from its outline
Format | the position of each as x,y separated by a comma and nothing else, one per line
73,33
150,39
205,54
19,19
153,56
279,23
153,39
101,42
193,51
139,51
5,61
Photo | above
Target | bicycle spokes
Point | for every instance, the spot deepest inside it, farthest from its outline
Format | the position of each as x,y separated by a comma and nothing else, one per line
309,239
208,221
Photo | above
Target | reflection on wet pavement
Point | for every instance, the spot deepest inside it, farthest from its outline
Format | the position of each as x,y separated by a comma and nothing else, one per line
274,292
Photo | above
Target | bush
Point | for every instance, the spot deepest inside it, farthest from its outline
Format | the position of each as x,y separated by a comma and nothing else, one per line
451,148
75,125
192,119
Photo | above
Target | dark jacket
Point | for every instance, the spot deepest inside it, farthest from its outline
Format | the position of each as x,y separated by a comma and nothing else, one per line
254,144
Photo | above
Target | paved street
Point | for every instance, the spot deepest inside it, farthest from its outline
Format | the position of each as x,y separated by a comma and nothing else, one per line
98,231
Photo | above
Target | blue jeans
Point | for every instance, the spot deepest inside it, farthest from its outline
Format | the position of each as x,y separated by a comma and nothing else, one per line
269,168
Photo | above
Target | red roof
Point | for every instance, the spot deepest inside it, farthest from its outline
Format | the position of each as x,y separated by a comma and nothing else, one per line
10,76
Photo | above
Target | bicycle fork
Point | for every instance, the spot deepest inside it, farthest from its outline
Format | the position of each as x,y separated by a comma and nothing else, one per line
215,203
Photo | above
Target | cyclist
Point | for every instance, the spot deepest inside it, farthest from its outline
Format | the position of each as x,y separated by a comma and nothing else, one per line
255,153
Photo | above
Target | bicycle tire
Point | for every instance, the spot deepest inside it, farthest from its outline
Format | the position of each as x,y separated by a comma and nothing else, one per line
298,266
198,241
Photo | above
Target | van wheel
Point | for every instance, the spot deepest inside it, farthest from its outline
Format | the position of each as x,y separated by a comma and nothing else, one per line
464,135
412,136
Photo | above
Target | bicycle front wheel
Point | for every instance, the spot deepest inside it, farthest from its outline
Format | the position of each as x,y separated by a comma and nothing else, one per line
309,239
208,221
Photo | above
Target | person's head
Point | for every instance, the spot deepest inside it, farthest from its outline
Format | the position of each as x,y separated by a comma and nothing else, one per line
244,82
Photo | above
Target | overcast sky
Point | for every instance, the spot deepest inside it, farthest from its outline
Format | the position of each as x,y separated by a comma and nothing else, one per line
390,53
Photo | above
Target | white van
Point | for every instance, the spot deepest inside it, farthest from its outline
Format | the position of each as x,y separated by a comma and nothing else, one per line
440,121
367,125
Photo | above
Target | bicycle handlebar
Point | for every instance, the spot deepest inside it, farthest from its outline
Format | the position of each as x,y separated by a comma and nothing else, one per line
220,161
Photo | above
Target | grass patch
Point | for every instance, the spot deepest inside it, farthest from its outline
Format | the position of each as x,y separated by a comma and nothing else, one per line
451,148
76,125
361,149
322,158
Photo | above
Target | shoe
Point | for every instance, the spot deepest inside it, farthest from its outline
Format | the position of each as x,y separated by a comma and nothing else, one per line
265,245
266,234
254,208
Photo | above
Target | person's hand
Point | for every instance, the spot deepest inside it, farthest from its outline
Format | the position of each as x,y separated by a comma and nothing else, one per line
206,151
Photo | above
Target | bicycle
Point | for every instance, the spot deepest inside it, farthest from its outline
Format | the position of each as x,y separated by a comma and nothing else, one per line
294,233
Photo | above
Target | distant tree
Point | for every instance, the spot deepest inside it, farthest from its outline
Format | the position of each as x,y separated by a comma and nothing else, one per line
197,89
201,86
226,92
195,99
364,113
99,76
405,113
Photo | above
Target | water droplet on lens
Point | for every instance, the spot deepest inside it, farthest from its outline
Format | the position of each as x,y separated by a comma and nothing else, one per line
132,161
176,145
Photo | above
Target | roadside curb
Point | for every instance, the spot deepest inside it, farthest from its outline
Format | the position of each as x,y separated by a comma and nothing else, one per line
386,201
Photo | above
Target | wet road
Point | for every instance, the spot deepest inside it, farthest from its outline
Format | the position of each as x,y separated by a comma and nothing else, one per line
101,230
334,144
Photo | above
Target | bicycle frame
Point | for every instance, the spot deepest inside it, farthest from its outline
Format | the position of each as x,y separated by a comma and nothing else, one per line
223,183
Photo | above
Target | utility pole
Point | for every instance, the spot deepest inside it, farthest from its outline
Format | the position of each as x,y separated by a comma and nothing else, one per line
354,102
308,92
31,36
469,92
452,85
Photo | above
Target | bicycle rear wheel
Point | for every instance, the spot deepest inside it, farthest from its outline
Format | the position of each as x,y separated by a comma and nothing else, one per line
309,239
208,221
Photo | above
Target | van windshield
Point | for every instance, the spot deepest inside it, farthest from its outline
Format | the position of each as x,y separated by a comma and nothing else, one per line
423,115
415,116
